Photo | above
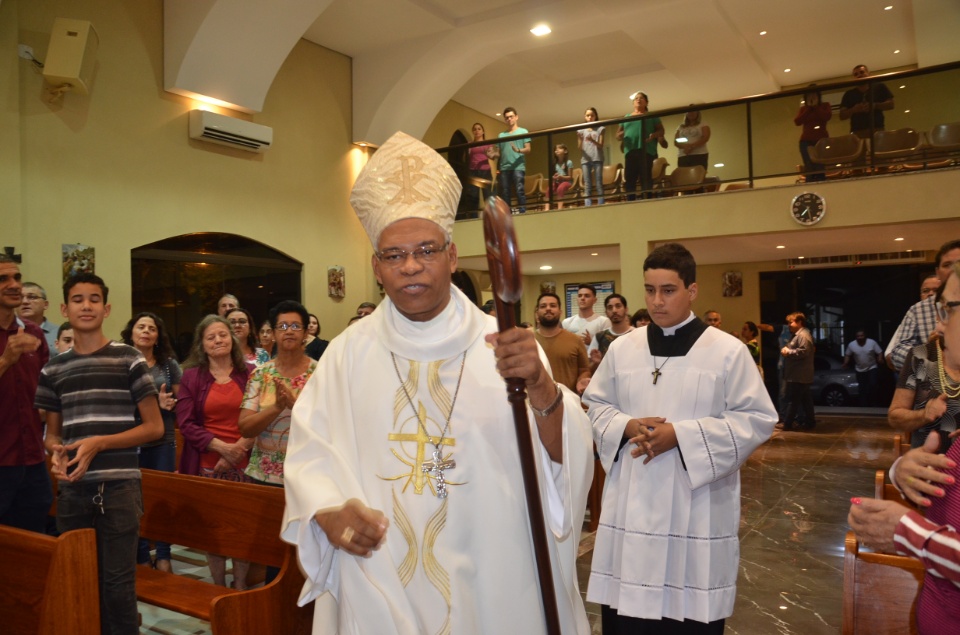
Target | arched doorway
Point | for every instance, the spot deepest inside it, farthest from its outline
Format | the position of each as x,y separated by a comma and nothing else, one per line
181,278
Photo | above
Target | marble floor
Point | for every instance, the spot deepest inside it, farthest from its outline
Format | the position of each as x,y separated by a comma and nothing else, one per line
796,491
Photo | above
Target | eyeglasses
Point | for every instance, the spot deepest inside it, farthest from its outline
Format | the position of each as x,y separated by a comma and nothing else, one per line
32,297
423,255
238,321
944,309
283,326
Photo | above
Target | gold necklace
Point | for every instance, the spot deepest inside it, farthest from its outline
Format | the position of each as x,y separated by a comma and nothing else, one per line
952,392
438,464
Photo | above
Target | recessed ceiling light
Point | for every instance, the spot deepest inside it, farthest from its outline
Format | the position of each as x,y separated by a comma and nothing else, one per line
786,70
498,114
907,110
909,250
904,86
545,268
718,165
800,257
888,7
783,607
898,239
594,254
781,246
540,30
897,51
763,32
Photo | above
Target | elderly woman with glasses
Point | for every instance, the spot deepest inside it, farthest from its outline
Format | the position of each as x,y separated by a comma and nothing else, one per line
927,396
927,476
243,327
271,392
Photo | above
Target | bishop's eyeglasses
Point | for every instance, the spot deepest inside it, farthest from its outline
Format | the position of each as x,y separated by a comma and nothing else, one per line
944,309
425,254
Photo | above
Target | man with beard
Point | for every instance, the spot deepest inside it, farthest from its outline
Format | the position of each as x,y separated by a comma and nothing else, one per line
616,308
566,351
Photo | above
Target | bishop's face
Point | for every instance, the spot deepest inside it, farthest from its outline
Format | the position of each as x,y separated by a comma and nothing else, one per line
668,298
418,286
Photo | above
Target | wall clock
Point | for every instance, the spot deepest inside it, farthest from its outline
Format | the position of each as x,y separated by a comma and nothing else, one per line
808,208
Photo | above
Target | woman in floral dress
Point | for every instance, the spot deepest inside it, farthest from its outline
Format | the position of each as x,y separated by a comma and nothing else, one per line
271,392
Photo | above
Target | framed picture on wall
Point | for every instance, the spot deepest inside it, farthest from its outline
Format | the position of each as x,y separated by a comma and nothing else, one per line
732,284
78,259
548,286
336,284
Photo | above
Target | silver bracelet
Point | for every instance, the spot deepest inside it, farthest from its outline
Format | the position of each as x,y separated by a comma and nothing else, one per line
553,404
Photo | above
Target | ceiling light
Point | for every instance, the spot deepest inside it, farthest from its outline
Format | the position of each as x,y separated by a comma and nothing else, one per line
546,268
783,607
540,30
909,250
786,70
594,254
498,114
781,246
763,32
800,257
907,110
898,239
904,86
718,165
897,51
888,7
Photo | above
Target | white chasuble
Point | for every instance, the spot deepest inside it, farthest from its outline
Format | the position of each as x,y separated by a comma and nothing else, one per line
667,542
461,564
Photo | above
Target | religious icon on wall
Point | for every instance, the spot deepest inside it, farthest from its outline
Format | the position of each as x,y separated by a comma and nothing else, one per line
732,284
77,259
336,284
548,286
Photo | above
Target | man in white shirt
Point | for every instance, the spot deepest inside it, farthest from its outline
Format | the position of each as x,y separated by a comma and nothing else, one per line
866,355
586,323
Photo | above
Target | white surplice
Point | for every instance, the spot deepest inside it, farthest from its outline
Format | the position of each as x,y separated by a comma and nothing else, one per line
667,542
461,565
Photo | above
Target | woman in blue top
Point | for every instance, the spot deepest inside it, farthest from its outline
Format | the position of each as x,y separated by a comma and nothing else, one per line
639,142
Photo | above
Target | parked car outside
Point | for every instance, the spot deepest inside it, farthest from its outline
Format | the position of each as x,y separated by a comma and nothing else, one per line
832,384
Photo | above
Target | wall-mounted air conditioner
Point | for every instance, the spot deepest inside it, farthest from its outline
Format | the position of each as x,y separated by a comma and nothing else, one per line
227,131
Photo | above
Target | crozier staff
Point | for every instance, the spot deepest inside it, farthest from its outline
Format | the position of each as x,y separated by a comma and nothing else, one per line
402,479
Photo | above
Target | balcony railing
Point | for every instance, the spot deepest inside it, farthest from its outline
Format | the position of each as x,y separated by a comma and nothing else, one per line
754,142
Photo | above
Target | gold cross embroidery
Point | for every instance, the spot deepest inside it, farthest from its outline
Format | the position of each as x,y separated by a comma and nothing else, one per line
407,177
416,474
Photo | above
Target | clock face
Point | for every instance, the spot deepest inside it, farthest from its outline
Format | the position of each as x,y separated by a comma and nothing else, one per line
808,208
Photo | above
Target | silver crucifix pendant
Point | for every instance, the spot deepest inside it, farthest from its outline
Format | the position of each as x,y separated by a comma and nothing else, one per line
435,468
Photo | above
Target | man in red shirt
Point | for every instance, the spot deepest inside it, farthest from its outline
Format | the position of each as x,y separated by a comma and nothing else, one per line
25,491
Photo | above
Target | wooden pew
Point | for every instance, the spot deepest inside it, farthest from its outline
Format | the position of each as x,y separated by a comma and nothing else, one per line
879,591
49,585
238,520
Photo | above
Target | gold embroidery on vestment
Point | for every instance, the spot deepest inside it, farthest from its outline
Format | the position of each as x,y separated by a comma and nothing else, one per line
435,573
409,565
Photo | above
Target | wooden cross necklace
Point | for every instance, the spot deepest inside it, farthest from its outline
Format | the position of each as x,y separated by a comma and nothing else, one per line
437,466
656,369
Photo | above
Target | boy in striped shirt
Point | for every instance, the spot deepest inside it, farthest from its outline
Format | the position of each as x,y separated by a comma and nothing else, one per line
90,394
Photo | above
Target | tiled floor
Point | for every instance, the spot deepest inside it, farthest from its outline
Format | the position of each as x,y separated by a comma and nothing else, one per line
796,490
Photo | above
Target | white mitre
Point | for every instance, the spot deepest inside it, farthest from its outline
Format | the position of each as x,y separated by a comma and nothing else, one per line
405,178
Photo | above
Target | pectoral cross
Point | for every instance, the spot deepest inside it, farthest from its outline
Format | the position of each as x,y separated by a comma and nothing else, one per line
435,468
656,375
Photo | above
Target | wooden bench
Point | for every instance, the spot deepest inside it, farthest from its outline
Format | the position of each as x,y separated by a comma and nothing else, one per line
238,520
879,591
49,585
